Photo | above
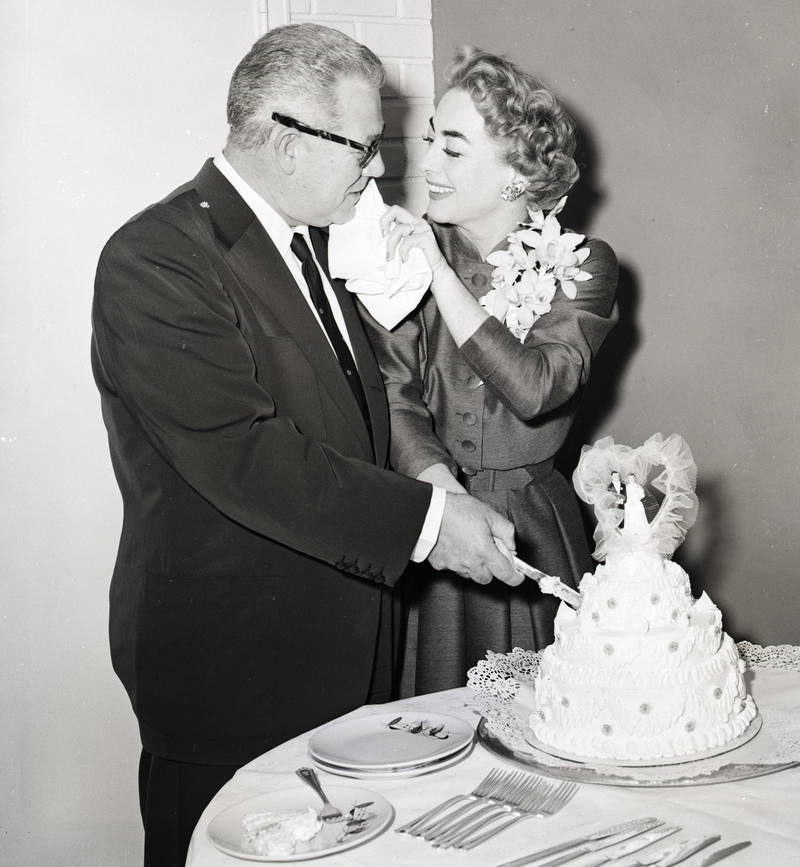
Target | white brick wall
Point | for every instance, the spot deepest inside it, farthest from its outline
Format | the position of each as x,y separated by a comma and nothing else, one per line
400,33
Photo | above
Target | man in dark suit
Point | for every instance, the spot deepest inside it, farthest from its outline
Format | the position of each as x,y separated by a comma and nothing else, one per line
249,432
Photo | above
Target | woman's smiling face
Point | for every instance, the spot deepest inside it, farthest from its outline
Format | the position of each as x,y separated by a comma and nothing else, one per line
466,172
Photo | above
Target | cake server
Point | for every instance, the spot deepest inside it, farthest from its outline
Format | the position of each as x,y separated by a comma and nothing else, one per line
548,583
597,839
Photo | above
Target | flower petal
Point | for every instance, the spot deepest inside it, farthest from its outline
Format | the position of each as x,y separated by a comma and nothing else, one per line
569,288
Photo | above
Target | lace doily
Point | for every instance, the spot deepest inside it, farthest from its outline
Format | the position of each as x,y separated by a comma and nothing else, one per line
502,692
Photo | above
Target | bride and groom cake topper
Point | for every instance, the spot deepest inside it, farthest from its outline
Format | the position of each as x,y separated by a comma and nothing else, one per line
654,507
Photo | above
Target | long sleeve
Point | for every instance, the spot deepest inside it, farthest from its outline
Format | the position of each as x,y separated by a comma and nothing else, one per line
231,404
495,402
555,360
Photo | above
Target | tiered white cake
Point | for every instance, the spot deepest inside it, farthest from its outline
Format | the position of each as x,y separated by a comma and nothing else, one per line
642,671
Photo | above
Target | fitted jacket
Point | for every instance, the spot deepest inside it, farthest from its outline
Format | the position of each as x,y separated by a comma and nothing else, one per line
259,521
494,403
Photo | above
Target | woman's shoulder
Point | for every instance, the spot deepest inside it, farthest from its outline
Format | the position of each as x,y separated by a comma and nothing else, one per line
601,258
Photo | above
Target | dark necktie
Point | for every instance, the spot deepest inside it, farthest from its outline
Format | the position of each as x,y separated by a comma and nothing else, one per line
320,301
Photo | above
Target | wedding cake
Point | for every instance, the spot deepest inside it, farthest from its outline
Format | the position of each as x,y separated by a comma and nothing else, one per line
640,670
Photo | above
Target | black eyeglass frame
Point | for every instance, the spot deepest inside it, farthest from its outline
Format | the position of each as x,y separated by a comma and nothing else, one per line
369,150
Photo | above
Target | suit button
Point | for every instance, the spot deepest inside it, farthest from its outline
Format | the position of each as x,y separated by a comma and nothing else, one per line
378,579
468,471
468,446
479,280
473,380
469,418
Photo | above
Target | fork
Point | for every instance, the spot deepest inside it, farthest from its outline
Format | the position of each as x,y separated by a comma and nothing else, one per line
550,804
523,792
503,788
491,783
328,813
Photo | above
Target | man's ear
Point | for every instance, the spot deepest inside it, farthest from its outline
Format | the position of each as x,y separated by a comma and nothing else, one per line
286,144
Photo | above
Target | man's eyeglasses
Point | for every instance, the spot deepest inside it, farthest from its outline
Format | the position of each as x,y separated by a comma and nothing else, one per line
369,150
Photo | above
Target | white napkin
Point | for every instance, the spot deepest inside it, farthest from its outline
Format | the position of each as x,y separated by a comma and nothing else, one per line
357,254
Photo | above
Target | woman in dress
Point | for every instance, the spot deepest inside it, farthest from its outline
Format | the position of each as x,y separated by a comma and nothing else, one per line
475,408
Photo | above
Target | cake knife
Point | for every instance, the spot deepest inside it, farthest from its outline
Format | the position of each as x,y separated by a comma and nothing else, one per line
599,839
549,584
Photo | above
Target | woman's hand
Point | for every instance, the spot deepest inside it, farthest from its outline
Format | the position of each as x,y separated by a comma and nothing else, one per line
462,314
403,231
440,476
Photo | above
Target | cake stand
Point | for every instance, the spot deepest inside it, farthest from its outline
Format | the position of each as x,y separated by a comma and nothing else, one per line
501,684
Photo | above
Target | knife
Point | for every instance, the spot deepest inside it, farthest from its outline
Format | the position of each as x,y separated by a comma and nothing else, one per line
708,858
622,849
548,583
607,837
676,853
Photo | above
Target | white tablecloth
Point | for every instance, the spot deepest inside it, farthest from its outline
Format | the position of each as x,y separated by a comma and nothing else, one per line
764,810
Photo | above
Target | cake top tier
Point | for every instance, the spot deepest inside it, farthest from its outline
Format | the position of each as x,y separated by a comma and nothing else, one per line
643,498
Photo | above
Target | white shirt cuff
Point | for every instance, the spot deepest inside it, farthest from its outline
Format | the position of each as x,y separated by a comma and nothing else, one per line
430,529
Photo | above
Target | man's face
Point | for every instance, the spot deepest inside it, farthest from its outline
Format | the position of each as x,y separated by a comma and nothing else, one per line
329,180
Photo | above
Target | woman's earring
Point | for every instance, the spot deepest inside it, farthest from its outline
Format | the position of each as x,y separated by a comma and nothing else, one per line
513,191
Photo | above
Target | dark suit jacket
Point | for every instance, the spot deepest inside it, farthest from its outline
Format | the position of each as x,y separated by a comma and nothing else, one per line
259,523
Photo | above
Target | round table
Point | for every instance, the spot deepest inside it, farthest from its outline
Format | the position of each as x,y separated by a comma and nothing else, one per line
762,810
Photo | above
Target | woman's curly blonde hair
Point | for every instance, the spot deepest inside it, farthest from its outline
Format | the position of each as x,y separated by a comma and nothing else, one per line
525,118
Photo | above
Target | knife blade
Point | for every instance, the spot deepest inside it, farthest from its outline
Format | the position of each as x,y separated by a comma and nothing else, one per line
548,583
628,847
676,853
608,837
708,858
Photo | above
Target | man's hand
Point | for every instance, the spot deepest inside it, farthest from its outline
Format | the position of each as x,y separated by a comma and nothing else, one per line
466,543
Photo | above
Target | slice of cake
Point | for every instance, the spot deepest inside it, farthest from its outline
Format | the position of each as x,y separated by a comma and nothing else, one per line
641,671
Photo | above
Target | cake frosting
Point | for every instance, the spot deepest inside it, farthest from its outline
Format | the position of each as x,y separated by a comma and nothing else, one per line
640,670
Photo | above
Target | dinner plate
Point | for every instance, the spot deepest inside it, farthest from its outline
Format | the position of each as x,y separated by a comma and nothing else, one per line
387,741
366,815
396,773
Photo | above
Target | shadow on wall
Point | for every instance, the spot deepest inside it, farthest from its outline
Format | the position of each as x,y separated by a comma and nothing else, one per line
705,550
600,396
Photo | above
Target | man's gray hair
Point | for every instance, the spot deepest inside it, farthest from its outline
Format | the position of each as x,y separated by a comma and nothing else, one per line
295,70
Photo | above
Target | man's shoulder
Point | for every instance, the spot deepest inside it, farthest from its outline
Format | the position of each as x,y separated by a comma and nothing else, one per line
179,206
180,213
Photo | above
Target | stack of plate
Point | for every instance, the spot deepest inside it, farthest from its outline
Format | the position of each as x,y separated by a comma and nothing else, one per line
386,745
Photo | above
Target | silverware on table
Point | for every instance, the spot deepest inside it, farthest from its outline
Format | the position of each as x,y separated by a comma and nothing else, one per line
542,805
597,839
676,853
490,785
501,800
328,813
709,858
628,847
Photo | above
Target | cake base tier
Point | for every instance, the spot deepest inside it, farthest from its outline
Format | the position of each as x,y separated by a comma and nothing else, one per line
749,733
742,766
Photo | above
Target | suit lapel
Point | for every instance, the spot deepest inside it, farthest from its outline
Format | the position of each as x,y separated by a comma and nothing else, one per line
258,265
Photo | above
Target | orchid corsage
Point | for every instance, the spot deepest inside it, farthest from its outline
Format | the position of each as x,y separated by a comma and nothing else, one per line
539,258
